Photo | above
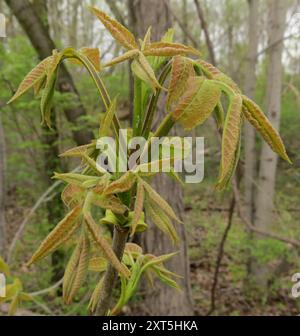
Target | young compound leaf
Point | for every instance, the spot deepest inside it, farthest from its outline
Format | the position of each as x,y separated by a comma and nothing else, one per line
230,138
159,201
160,219
138,207
168,49
58,235
124,183
32,78
105,247
118,31
256,117
182,69
197,103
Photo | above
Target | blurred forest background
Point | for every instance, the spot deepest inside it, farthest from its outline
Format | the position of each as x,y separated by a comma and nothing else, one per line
241,247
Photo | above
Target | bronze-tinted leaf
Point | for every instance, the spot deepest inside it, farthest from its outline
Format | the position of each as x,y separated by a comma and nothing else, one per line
124,183
160,219
72,195
118,31
98,264
199,101
110,202
230,137
95,296
124,57
34,76
105,247
168,49
256,117
138,207
182,69
57,235
156,198
78,151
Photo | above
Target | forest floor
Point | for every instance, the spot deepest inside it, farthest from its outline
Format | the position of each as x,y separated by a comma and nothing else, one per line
206,218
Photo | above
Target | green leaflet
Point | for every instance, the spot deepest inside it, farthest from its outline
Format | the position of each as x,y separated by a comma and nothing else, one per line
159,201
256,117
108,118
4,267
198,102
160,219
143,70
230,139
47,97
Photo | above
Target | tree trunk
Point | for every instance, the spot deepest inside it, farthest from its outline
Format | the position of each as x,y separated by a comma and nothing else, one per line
250,83
40,38
264,217
163,300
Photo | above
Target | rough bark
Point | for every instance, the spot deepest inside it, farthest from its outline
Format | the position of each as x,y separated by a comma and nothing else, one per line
264,218
163,300
39,37
249,87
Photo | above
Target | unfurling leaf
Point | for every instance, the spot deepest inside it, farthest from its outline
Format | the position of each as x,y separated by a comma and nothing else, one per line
47,97
168,49
98,264
118,31
78,151
96,296
219,115
108,118
230,139
80,180
143,70
124,57
160,219
214,73
199,101
32,78
105,247
124,183
133,248
109,202
58,235
138,207
76,269
72,195
160,202
256,117
182,69
93,54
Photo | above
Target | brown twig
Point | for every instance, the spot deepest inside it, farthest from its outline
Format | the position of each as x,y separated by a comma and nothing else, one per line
220,257
204,27
110,277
